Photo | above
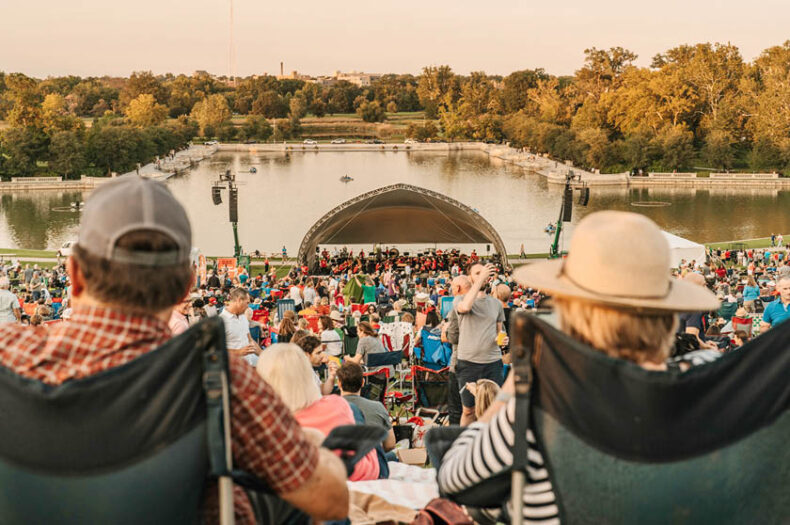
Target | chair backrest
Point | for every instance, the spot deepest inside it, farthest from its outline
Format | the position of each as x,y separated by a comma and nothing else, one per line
66,456
430,387
384,359
283,305
727,310
434,353
375,387
737,484
741,323
673,447
445,305
350,345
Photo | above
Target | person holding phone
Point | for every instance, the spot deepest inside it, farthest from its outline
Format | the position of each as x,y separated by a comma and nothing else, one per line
480,319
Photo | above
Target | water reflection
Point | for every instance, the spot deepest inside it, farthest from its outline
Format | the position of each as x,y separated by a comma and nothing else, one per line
279,203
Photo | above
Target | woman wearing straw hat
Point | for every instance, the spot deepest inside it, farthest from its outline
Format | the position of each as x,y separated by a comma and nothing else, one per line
614,293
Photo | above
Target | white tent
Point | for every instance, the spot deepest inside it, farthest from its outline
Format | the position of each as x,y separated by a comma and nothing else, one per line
683,249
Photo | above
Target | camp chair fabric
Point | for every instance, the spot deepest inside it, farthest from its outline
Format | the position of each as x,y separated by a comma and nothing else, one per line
430,387
742,323
284,305
65,456
375,387
727,310
432,353
383,359
350,344
704,445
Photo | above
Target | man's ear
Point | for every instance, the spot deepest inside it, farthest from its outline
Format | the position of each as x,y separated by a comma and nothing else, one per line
76,277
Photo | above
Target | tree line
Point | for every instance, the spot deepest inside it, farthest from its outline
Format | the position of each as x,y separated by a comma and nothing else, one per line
695,106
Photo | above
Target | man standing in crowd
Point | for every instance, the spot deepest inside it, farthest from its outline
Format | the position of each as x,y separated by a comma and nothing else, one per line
480,318
350,379
237,326
778,311
459,287
129,268
9,304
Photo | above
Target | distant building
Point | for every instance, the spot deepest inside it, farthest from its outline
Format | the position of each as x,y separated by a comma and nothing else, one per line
358,78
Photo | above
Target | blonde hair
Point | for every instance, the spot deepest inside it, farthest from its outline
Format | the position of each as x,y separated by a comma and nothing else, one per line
287,369
485,394
631,335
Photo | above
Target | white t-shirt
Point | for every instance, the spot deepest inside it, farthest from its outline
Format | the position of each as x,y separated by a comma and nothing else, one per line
295,294
8,301
237,329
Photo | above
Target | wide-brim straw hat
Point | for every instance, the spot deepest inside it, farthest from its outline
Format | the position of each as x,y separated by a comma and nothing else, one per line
618,259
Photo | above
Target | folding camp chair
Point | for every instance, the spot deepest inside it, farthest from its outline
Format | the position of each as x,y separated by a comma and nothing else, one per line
673,446
350,344
312,322
742,323
375,387
386,360
445,305
432,352
284,305
66,459
430,389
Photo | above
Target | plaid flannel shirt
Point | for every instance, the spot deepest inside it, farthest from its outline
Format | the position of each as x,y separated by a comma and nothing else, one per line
266,439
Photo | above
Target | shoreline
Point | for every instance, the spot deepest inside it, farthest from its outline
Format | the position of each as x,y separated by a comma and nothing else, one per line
552,170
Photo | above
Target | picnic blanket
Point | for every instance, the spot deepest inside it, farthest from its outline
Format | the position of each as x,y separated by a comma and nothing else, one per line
408,486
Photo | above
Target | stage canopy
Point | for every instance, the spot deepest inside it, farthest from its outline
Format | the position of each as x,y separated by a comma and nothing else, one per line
683,249
400,214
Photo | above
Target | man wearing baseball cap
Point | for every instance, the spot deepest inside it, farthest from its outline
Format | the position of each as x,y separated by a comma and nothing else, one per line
128,270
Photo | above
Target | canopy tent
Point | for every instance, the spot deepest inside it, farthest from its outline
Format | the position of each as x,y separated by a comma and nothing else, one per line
400,214
683,249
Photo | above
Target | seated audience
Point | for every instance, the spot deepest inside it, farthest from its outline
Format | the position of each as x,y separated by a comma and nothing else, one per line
286,368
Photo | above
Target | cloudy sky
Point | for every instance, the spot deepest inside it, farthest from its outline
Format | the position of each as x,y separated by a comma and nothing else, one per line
97,37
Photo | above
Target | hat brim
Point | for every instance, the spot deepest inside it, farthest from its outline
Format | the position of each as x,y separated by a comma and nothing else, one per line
547,277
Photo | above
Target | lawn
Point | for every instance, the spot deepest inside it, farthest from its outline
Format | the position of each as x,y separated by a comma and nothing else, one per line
763,242
28,253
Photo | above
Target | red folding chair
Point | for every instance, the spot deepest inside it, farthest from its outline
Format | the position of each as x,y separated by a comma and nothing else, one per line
742,323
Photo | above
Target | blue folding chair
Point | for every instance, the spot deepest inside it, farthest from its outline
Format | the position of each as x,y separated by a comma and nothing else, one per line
283,305
432,352
445,305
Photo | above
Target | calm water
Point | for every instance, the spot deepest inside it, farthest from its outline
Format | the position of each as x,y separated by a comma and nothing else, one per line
279,203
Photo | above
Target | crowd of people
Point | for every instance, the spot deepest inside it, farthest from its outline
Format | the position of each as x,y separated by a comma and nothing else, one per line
129,286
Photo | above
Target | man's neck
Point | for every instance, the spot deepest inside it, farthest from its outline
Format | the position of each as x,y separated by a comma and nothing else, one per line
344,393
85,300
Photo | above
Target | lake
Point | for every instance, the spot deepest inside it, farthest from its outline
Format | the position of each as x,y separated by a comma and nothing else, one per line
279,203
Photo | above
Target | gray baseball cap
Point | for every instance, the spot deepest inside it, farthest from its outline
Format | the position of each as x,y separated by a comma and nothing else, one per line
131,203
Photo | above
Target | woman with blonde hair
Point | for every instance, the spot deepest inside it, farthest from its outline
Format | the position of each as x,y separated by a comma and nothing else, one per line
613,293
287,369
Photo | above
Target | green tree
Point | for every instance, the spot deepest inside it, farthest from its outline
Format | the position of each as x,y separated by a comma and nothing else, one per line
392,107
718,151
144,111
257,128
22,148
422,132
677,148
66,154
270,104
516,86
318,108
436,88
599,154
298,106
765,155
210,113
143,82
371,111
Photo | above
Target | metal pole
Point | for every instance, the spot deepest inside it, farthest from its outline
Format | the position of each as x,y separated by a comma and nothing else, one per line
236,247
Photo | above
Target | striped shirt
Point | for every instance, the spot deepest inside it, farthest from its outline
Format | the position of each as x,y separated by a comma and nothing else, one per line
484,450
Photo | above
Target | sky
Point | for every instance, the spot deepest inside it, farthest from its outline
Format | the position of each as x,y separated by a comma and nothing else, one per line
114,37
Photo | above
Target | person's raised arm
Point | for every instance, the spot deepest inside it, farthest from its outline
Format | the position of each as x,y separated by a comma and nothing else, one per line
465,306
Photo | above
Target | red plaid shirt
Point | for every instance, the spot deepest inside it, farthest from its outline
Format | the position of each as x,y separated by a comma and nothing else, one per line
267,440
